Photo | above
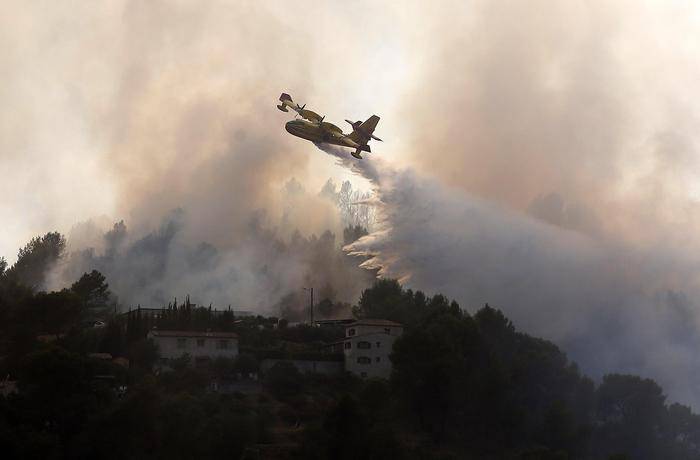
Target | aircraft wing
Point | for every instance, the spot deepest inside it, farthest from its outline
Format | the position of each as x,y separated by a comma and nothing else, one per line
286,101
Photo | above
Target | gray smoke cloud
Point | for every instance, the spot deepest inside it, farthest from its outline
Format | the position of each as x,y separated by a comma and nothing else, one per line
576,112
540,156
612,307
165,106
552,171
264,273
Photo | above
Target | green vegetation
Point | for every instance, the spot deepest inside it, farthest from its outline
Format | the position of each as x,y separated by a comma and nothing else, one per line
463,386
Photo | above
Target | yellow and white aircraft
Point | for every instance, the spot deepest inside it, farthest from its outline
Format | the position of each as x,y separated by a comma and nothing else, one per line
312,127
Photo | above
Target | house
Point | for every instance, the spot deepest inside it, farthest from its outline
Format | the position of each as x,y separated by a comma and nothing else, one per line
367,346
202,347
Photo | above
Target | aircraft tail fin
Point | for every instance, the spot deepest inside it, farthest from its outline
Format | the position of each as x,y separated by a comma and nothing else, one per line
369,125
286,101
363,132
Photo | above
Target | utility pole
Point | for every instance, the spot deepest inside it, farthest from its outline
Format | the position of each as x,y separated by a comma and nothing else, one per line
312,304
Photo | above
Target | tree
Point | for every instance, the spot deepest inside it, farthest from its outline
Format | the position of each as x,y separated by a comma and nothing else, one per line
92,290
631,411
284,380
432,366
385,300
52,312
181,427
58,390
352,233
129,429
113,338
143,354
346,425
36,258
246,363
683,424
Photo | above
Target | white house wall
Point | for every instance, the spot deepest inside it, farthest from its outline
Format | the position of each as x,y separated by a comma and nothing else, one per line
378,353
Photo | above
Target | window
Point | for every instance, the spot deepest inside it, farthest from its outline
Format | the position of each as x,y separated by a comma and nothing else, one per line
181,343
387,330
364,360
379,344
351,332
222,344
377,359
348,345
364,345
200,342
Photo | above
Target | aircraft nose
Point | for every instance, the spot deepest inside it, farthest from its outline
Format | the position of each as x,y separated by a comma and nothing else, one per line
292,127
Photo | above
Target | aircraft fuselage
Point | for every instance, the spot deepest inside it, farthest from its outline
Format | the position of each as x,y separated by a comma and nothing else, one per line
319,132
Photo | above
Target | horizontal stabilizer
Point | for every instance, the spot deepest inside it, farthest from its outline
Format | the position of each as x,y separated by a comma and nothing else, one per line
286,100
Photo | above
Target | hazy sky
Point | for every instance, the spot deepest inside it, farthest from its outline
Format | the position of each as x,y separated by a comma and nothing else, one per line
105,103
552,139
102,101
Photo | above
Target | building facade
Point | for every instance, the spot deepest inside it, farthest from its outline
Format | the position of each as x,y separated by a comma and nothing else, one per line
200,346
367,346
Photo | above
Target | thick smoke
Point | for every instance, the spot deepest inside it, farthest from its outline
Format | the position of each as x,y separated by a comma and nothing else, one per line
613,308
576,111
549,153
263,272
172,106
553,171
133,109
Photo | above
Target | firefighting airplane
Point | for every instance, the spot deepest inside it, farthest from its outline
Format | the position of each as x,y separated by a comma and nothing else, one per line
312,127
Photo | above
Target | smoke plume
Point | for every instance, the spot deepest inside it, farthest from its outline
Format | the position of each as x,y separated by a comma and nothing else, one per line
613,308
540,156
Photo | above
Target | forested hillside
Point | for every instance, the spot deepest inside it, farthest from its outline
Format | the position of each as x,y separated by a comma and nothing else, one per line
464,385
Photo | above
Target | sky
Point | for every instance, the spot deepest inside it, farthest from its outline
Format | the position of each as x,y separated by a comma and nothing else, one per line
537,155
